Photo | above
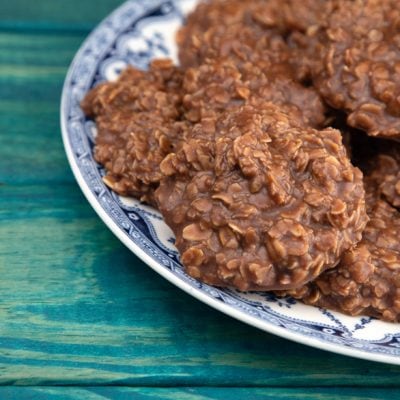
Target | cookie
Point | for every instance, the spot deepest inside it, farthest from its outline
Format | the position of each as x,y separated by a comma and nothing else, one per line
258,201
217,86
138,124
359,71
367,280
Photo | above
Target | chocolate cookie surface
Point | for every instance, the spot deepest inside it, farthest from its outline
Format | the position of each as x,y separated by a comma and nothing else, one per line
359,70
145,115
217,86
255,32
138,124
228,29
386,174
258,201
367,281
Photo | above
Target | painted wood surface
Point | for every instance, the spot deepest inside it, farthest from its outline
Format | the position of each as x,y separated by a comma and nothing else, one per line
191,393
76,307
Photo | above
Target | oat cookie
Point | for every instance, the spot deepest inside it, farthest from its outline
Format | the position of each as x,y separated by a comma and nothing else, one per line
227,29
277,33
138,124
217,86
258,201
367,280
359,70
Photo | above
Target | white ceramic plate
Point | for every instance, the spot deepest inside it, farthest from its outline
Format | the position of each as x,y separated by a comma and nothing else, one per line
133,34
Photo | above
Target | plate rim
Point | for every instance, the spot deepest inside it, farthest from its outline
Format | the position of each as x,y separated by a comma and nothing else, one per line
239,315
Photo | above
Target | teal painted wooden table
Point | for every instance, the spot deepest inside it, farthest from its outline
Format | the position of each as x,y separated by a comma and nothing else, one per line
81,316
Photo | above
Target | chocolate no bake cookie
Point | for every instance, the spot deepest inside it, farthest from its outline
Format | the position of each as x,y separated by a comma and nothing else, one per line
138,124
227,29
258,201
276,33
217,86
367,280
359,70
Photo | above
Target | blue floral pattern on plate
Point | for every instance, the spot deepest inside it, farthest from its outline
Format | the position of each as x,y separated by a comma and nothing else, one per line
134,34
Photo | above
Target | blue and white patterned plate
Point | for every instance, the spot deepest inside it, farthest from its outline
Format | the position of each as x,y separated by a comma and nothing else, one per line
133,34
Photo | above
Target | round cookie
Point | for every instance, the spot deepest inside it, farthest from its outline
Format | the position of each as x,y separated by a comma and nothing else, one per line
259,202
138,124
359,70
226,29
367,280
276,33
299,23
217,86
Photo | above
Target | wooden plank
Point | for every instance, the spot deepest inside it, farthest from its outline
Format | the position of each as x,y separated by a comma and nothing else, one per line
31,146
54,14
193,393
32,71
36,50
77,307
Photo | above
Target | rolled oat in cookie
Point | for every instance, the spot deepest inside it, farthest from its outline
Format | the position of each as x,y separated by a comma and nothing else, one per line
258,201
219,85
227,29
304,22
138,124
277,33
367,280
386,175
359,70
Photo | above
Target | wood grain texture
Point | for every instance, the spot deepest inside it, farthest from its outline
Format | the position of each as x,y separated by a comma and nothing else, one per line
54,15
32,71
192,393
76,307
